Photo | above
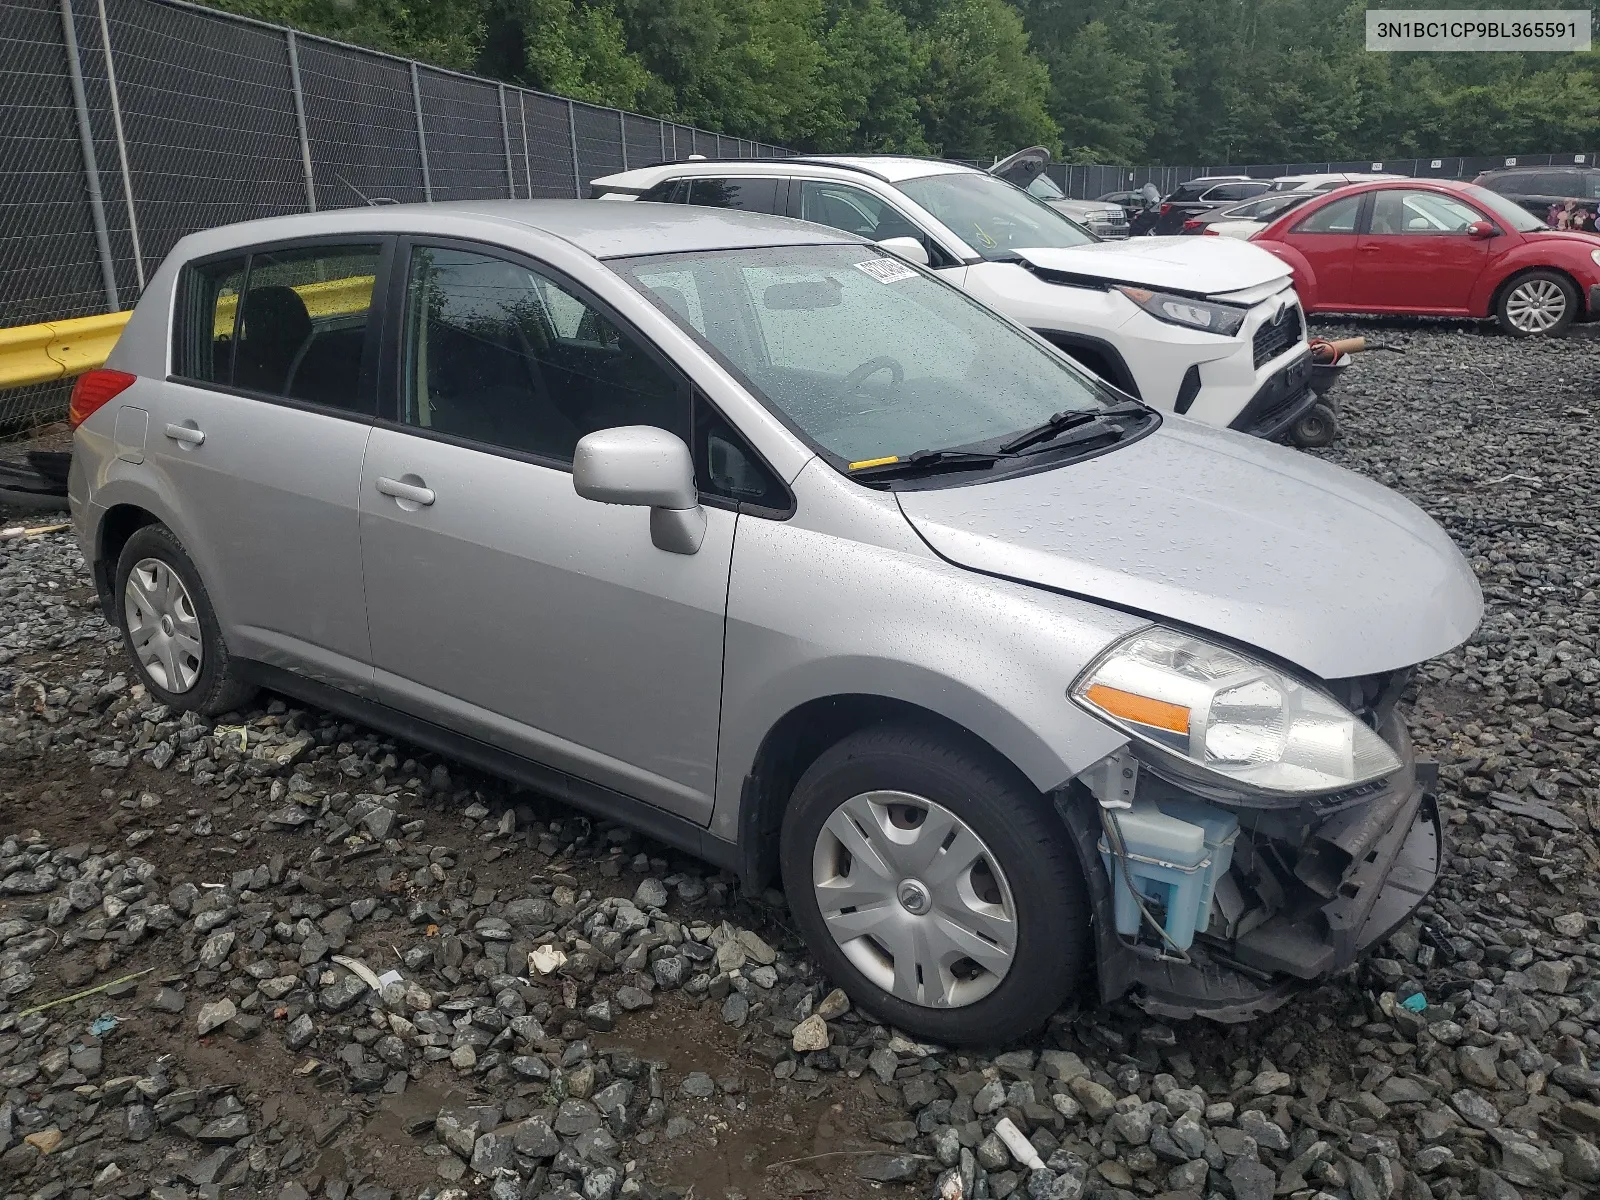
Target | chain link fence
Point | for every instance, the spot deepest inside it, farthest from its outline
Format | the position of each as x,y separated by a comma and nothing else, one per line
126,124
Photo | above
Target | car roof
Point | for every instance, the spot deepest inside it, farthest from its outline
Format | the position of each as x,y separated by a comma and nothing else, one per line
599,229
890,168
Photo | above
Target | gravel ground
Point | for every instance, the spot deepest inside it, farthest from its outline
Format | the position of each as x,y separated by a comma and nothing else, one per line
575,1011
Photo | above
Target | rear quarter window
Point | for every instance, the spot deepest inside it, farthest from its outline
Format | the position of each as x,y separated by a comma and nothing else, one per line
206,319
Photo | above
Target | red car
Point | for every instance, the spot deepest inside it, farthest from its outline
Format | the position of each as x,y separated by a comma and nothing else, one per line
1439,248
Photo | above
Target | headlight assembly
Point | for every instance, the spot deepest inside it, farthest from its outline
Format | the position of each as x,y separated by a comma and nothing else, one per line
1226,721
1225,319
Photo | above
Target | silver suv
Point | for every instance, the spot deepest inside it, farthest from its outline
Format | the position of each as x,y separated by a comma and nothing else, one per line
750,534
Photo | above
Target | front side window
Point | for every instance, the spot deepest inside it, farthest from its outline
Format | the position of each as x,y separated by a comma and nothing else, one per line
854,210
864,355
756,195
207,319
1403,212
503,355
1338,217
992,217
1592,184
303,324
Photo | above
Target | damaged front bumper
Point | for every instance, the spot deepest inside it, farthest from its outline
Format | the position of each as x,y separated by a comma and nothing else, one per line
1361,870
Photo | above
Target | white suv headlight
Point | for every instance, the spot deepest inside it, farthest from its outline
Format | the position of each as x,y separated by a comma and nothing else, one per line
1222,718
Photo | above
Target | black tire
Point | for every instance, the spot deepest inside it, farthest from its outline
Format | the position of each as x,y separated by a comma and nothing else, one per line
217,687
1504,309
1022,833
1317,427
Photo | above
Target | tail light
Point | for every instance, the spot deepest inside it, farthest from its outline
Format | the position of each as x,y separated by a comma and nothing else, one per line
1210,232
93,390
1165,209
1191,223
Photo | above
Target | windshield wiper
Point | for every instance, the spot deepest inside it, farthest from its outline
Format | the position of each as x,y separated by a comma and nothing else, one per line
921,462
1073,418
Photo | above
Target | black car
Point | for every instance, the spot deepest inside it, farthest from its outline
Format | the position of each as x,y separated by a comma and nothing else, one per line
1561,197
1202,195
1263,208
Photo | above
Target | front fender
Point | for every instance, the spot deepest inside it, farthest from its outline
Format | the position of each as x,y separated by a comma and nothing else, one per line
1305,279
813,616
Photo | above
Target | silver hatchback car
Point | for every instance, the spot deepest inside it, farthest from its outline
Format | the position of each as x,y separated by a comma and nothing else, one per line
751,535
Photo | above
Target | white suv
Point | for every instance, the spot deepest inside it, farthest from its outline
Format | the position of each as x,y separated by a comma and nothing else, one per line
1209,328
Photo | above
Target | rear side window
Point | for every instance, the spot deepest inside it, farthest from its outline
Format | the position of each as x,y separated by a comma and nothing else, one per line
668,191
208,313
1338,217
756,195
290,324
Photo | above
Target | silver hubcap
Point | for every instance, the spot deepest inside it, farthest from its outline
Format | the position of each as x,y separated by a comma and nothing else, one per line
914,899
1536,306
162,625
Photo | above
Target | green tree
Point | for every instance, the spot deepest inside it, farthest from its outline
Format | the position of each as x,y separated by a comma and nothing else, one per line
984,92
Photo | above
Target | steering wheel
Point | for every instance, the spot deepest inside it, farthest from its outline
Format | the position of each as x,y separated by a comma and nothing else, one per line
871,367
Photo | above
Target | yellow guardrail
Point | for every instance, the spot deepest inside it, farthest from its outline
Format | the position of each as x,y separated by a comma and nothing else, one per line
61,349
57,349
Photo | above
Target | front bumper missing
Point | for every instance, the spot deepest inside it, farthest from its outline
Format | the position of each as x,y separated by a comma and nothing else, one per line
1283,399
1265,967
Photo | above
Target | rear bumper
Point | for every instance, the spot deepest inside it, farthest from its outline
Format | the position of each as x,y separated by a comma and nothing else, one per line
1594,301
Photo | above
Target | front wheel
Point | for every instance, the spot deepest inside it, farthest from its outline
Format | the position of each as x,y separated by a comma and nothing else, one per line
935,885
1539,303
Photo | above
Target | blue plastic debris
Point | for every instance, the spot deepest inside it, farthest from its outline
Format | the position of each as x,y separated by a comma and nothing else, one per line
1415,1002
104,1024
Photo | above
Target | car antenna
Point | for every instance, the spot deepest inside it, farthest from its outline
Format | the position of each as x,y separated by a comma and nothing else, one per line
370,201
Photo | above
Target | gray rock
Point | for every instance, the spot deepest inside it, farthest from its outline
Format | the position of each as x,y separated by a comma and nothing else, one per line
1474,1109
491,1152
535,1139
698,1085
1266,1132
215,1015
651,893
1250,1179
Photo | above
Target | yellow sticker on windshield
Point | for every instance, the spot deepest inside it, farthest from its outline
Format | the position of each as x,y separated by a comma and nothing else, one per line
886,270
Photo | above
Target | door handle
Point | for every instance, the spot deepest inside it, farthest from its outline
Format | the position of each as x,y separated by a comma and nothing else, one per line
1369,249
405,491
187,434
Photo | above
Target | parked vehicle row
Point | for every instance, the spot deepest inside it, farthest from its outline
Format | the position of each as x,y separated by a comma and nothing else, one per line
1207,330
779,547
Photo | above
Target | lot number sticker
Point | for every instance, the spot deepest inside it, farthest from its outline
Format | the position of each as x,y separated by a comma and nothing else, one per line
886,270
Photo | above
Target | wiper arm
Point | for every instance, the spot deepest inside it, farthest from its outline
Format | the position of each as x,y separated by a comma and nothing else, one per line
922,462
1060,422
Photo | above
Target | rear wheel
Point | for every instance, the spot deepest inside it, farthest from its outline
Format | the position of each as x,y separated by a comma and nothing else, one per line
935,885
170,629
1539,303
1318,427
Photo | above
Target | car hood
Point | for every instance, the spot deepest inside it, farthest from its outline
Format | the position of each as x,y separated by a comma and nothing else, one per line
1075,208
1564,237
1217,531
1206,266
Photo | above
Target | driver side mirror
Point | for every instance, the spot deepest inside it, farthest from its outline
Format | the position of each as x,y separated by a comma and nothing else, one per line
647,467
909,248
1482,230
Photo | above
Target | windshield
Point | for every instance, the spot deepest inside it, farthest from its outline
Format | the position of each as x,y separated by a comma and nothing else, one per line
865,356
993,217
1508,211
1045,188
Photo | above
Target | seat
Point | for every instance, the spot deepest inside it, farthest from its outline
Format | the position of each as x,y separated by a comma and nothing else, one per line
274,327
